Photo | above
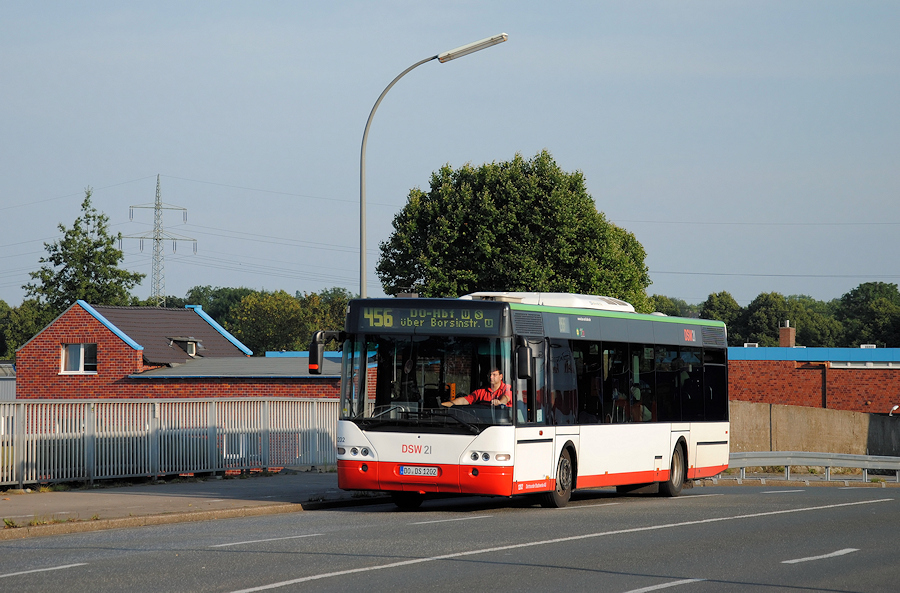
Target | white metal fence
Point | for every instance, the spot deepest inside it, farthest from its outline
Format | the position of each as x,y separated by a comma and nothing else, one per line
75,440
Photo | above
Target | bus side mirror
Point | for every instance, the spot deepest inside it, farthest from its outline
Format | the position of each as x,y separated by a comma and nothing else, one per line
317,353
317,349
523,362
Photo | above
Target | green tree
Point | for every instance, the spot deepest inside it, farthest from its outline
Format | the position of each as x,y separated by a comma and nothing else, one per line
217,302
522,225
870,314
83,265
673,306
23,322
721,306
325,310
663,304
816,326
5,311
268,321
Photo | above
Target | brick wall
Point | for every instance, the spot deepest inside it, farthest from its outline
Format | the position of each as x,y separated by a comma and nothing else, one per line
801,384
38,365
39,362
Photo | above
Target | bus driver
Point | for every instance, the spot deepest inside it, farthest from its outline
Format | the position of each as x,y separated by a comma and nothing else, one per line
499,393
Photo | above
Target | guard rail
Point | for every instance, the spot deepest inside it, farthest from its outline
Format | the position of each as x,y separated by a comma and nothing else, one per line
826,460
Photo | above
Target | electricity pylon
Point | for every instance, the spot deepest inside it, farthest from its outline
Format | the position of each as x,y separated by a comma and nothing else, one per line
157,278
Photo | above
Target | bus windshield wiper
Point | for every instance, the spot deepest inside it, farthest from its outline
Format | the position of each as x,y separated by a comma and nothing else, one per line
447,414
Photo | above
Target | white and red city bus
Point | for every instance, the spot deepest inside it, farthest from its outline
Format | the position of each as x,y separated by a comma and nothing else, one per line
601,396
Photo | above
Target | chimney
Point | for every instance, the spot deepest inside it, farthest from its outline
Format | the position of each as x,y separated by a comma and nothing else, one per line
786,335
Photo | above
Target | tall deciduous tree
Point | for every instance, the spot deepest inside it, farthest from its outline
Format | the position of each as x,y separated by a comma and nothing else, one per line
217,302
722,307
324,310
871,314
84,264
522,225
23,322
267,321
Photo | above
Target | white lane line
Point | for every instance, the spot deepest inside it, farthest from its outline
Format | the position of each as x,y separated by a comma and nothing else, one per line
273,539
448,520
545,542
589,506
665,585
781,491
690,496
14,574
823,556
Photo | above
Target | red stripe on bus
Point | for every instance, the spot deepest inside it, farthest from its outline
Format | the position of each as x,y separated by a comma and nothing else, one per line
487,480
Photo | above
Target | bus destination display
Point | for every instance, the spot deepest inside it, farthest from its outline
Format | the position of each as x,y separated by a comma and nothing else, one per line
437,319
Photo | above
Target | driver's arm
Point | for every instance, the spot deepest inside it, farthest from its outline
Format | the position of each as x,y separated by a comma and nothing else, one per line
459,401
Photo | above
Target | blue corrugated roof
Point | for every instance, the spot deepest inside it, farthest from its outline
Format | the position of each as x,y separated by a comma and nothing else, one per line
816,354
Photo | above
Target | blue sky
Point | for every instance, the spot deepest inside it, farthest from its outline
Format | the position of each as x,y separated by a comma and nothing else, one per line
750,146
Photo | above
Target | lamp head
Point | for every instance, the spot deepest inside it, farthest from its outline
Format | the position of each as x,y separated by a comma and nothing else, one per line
472,48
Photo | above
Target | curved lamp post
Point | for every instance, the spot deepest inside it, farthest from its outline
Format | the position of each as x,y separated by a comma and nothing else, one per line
443,57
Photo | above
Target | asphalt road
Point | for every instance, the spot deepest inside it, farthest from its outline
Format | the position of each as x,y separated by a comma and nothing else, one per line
709,539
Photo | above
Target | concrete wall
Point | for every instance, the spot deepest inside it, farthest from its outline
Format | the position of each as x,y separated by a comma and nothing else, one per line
773,427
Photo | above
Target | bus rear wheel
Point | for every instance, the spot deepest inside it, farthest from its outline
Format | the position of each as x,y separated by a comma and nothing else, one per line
673,486
565,480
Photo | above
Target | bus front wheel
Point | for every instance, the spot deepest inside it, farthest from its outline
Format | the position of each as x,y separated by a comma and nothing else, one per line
565,480
673,486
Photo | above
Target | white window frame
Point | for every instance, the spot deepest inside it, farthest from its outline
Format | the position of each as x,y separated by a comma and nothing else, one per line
75,353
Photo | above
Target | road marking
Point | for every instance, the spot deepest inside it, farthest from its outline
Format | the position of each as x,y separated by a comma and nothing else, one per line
781,491
665,585
14,574
448,520
822,557
690,496
589,506
545,542
273,539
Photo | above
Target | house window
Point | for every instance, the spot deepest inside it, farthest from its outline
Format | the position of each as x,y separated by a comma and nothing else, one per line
79,358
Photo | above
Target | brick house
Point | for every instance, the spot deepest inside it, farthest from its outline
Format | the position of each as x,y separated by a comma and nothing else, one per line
849,379
94,352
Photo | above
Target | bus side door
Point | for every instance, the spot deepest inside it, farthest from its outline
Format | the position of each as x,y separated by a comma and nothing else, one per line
534,463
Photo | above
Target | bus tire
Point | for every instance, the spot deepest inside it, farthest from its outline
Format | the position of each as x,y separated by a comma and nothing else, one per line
673,486
565,479
407,501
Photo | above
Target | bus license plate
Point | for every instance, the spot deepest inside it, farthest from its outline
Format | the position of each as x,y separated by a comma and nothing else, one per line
415,470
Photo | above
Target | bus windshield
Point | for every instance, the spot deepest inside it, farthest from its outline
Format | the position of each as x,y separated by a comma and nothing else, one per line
410,376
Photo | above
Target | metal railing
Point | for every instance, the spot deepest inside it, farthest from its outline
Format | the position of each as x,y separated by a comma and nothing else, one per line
74,440
826,460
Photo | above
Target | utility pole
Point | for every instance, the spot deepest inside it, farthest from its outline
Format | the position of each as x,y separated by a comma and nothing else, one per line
157,278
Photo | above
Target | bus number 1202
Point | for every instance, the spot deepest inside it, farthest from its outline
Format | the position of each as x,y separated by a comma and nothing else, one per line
378,317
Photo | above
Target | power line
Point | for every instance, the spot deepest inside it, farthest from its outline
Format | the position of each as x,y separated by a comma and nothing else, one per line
742,275
775,224
96,189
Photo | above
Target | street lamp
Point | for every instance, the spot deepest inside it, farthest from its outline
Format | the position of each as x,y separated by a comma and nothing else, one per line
443,57
894,409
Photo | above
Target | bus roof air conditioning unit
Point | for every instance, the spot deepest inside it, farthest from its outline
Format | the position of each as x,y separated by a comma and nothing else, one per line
751,344
867,346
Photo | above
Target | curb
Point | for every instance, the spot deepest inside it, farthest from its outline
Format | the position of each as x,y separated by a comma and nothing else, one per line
67,527
146,520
